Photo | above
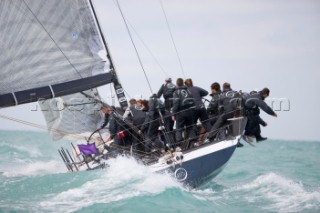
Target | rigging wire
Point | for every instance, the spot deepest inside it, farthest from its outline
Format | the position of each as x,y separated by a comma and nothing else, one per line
174,44
102,37
52,38
128,30
145,45
148,49
41,126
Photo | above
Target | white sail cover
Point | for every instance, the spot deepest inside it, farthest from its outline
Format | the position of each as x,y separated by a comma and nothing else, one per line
46,42
71,115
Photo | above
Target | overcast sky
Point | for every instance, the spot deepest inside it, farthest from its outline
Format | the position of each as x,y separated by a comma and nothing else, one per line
250,44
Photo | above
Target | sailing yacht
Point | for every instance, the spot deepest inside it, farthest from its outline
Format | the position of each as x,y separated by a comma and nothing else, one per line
54,53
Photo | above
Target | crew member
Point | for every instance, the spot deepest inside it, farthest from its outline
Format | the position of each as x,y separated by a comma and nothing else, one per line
253,103
152,123
228,103
117,128
183,111
105,112
200,111
213,107
166,90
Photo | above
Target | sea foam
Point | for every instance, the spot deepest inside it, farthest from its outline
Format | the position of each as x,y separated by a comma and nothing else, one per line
280,194
123,179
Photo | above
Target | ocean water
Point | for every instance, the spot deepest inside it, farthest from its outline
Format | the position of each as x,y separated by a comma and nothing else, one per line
275,176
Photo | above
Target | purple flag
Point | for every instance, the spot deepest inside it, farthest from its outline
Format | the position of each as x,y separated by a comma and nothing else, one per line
88,149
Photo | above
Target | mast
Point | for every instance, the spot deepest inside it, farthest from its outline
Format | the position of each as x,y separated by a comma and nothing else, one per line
117,86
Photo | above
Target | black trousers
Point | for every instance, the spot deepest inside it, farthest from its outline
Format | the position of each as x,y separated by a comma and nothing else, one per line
202,115
185,119
168,104
253,125
153,135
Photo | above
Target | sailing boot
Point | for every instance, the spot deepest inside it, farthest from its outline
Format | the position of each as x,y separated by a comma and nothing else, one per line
259,138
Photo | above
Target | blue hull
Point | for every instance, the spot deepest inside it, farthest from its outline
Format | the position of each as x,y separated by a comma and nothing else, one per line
203,168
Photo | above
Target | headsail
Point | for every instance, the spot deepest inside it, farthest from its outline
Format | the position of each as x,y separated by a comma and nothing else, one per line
49,49
72,114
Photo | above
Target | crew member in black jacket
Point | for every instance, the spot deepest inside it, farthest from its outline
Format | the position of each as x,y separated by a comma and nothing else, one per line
166,90
200,111
253,103
118,129
227,105
183,111
213,107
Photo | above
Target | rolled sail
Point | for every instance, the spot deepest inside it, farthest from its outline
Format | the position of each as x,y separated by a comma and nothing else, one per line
49,49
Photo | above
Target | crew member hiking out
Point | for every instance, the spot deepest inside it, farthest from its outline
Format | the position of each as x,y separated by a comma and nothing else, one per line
228,104
253,103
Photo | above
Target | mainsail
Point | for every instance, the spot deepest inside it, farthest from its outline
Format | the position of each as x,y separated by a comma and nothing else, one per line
53,49
50,49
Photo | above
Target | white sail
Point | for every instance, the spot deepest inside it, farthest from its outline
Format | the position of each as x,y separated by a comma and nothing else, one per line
72,115
46,48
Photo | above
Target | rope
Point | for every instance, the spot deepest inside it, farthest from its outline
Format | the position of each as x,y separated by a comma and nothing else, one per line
174,44
39,126
128,30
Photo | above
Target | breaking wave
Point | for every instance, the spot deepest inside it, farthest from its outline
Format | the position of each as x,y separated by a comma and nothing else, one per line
282,194
268,192
34,168
124,179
